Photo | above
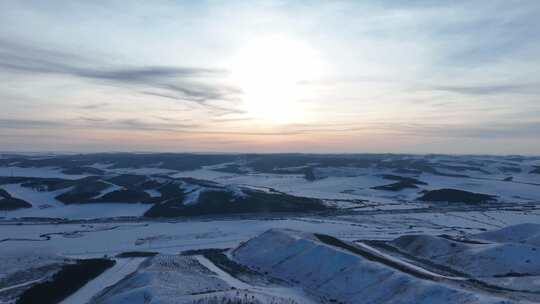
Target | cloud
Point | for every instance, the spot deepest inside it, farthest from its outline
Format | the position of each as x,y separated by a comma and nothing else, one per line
91,119
141,125
201,96
200,85
233,119
478,131
490,89
131,124
150,73
468,33
28,124
493,130
94,106
487,37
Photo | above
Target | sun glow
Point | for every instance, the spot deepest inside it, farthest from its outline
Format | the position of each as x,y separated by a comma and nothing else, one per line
270,71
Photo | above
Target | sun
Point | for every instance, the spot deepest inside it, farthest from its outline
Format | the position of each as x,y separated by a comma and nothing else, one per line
270,72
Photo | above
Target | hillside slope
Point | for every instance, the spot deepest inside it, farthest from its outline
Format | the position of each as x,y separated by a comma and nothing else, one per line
342,276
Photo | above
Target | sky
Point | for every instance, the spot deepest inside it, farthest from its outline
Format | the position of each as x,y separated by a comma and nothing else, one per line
270,76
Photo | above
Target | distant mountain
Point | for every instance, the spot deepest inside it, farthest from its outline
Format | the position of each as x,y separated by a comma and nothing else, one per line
7,202
456,196
82,163
402,183
171,197
308,165
210,200
183,184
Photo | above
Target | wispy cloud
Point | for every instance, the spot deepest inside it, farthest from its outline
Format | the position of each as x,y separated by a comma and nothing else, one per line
131,124
480,131
94,106
29,124
490,89
200,85
203,96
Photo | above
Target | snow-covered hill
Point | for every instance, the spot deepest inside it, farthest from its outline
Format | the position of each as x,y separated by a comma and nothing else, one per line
337,274
509,257
526,233
284,266
168,279
478,260
289,266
